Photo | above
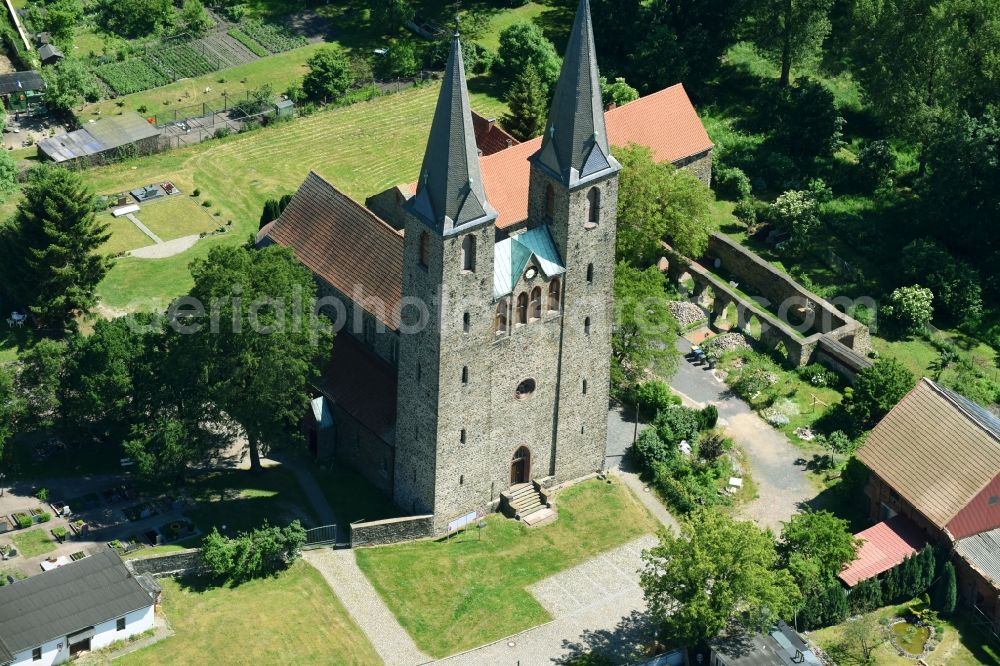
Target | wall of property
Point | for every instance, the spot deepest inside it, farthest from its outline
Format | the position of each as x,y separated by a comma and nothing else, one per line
53,652
170,564
975,590
879,492
392,530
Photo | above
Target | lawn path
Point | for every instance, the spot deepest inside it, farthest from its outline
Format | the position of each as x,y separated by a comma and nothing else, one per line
364,605
144,229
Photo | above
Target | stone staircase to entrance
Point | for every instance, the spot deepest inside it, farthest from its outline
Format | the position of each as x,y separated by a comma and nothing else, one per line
529,504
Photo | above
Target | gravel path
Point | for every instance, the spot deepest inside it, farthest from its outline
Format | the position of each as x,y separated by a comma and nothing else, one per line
347,581
165,248
777,465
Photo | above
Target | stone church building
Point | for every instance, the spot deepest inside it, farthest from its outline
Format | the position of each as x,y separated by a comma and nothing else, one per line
474,316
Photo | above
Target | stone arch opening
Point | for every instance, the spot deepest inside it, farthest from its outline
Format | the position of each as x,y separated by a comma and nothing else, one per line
520,466
554,294
593,207
535,308
469,253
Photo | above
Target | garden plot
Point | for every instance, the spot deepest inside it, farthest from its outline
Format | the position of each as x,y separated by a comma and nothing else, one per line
180,61
228,52
168,219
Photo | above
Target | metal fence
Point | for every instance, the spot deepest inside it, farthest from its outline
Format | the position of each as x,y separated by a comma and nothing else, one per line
321,536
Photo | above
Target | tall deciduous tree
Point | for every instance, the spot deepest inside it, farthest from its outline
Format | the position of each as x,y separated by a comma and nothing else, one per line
330,76
40,383
194,19
261,360
9,407
790,31
133,18
642,322
391,15
69,84
528,101
52,252
524,44
657,200
718,572
815,546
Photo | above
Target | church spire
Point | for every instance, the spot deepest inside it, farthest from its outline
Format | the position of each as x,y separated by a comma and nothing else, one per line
450,191
575,143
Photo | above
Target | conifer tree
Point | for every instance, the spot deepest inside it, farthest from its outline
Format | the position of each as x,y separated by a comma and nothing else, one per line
51,251
528,103
946,592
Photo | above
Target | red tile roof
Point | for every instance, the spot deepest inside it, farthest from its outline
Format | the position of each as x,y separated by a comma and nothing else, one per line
361,384
665,121
343,243
490,137
886,544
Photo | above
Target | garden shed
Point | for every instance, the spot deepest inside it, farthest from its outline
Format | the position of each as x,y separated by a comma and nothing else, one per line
102,140
19,90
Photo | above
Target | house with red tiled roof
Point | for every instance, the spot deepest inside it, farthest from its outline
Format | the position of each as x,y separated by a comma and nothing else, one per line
473,309
934,463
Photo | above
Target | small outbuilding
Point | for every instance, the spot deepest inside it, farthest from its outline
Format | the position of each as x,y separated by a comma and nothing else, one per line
50,54
102,141
20,90
85,605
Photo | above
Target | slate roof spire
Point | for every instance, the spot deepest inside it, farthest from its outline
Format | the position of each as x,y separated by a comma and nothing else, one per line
575,143
450,191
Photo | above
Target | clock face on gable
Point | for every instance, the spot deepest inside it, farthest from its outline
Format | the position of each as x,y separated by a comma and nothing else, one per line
530,273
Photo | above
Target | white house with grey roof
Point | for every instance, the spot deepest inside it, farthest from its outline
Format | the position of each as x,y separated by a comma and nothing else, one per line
79,607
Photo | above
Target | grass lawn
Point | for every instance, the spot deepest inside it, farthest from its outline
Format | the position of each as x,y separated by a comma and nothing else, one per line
352,497
124,235
961,643
242,500
34,542
451,595
277,71
292,618
157,550
178,216
363,149
526,13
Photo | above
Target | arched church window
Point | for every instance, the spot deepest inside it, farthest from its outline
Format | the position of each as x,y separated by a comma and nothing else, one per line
424,249
500,321
550,201
593,207
536,303
522,308
469,253
553,305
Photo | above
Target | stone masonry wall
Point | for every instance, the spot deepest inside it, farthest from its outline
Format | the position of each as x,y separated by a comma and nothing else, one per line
171,564
392,530
700,165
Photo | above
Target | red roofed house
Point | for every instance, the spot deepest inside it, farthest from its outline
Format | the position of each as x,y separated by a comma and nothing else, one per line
935,477
474,309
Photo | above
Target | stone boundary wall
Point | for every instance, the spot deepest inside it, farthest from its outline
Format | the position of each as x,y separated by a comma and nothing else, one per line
779,288
391,530
800,350
170,564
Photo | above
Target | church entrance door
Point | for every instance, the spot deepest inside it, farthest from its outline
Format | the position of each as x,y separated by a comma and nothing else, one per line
520,466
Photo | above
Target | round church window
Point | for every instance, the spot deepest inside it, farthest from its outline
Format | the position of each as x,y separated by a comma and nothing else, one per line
525,389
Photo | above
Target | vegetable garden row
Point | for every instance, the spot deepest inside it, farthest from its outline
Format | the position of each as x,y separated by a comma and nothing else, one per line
166,63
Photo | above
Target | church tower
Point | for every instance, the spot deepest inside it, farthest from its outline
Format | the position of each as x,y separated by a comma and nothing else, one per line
574,191
443,406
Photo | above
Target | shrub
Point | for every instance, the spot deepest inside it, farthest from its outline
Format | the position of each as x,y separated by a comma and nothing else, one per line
677,423
731,183
59,532
796,213
746,212
818,375
946,591
955,284
206,203
911,308
255,553
866,596
654,396
713,444
196,192
876,165
44,517
649,449
42,494
876,390
708,417
24,521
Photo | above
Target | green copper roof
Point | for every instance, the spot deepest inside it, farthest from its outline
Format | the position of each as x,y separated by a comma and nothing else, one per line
512,256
